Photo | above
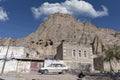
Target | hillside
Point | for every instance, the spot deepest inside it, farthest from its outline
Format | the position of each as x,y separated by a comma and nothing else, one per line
63,27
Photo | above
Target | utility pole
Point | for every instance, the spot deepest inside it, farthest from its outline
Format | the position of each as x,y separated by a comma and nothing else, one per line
5,57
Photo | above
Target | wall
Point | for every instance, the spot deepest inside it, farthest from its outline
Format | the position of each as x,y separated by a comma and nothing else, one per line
76,61
98,64
115,66
19,52
15,66
16,52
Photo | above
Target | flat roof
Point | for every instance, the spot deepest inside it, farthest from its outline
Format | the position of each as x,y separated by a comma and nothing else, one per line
26,59
29,59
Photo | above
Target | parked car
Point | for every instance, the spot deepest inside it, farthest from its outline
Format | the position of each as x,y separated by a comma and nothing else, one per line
54,67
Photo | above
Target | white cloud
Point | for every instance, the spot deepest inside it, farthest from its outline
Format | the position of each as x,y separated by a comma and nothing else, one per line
47,8
3,15
73,7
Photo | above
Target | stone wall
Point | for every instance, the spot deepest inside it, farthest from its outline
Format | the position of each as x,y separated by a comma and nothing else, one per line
82,55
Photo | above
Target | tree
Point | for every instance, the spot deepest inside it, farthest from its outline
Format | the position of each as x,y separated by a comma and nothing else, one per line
109,56
113,52
117,52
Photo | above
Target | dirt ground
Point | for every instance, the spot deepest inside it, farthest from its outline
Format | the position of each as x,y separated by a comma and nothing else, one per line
38,77
17,76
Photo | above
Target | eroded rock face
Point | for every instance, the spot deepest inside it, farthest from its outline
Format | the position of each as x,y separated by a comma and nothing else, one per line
63,27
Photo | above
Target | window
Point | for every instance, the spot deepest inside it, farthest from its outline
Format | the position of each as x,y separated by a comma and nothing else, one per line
79,53
73,53
58,65
85,54
63,65
52,65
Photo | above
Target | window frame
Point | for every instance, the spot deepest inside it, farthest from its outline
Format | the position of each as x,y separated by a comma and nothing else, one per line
74,53
85,53
79,53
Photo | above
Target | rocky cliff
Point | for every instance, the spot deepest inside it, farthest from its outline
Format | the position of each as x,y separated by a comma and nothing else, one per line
63,27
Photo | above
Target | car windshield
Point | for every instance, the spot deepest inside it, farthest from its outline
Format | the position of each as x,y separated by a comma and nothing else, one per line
56,65
51,65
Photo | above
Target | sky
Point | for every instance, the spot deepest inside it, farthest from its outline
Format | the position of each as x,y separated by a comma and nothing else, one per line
19,18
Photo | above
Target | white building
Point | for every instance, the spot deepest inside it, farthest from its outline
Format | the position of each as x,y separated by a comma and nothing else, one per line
16,52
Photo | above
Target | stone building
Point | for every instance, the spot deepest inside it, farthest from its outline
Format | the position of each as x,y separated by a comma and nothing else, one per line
76,56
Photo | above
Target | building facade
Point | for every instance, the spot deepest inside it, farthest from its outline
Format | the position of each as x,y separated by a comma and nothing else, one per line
76,56
18,59
18,52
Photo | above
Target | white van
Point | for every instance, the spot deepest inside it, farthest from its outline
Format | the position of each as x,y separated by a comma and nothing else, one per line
54,66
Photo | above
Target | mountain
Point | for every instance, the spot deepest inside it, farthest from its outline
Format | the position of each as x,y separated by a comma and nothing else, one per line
63,27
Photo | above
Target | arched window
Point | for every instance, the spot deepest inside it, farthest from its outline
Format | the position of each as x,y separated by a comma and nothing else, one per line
79,53
85,54
73,53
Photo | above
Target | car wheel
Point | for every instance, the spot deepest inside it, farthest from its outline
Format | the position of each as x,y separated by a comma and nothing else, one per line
64,71
39,72
45,71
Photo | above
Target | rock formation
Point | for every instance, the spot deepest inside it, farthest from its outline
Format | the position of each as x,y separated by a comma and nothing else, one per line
63,27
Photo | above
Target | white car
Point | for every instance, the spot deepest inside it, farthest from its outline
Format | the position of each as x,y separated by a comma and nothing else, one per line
54,68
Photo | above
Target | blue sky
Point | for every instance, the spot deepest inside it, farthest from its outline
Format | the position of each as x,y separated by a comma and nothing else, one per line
19,18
